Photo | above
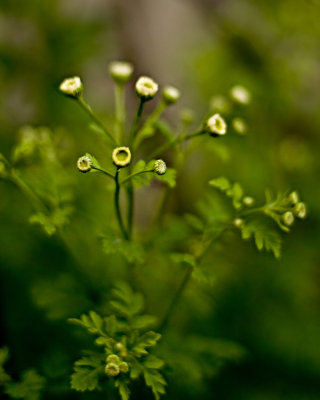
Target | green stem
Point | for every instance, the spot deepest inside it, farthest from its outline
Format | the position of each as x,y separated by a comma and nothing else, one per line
120,111
149,122
37,203
176,298
117,205
136,122
104,172
178,139
93,116
135,174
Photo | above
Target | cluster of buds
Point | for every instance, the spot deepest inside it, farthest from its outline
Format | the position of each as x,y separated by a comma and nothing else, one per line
115,366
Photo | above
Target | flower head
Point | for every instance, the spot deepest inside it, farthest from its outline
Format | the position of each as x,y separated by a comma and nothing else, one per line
288,218
300,210
294,198
216,125
146,88
121,156
112,369
84,164
170,95
160,167
124,367
239,125
240,94
72,87
248,201
121,71
113,358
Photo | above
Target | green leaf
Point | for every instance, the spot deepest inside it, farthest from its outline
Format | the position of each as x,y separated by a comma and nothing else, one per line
92,322
123,389
221,183
195,222
4,357
155,380
148,339
169,177
132,251
143,321
153,362
126,302
264,237
29,388
87,371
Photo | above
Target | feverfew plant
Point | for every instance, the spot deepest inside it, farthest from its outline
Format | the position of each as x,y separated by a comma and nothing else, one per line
129,342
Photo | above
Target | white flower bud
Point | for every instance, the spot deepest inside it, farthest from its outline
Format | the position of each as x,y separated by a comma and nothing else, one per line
160,167
121,156
248,201
121,71
84,164
216,125
300,210
294,198
146,88
72,87
238,222
112,369
239,125
170,95
240,94
288,218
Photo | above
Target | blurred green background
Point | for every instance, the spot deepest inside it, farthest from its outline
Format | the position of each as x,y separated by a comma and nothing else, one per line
270,307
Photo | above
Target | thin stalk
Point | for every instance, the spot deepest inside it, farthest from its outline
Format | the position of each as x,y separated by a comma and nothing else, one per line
149,122
176,298
104,172
135,174
136,122
178,139
93,116
117,205
120,111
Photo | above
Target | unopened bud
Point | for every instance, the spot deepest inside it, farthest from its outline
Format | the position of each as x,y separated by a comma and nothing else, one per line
121,71
160,167
124,367
288,218
121,156
170,95
113,358
146,88
240,94
84,164
72,87
112,369
300,210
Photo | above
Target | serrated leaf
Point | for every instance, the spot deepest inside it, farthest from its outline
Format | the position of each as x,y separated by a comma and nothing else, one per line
123,389
169,177
132,251
86,372
234,191
153,362
155,381
29,388
147,340
93,323
135,369
126,302
264,237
